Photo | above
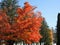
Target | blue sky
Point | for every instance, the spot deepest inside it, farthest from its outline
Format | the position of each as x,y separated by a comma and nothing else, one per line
49,9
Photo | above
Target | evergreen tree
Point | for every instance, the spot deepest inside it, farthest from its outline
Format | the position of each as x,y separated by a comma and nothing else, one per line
58,29
43,29
45,33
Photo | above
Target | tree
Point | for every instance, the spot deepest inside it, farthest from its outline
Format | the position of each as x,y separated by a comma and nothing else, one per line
31,23
9,7
58,29
23,24
45,32
43,29
49,37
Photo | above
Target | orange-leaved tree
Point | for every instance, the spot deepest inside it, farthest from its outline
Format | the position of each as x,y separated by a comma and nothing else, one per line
29,23
26,25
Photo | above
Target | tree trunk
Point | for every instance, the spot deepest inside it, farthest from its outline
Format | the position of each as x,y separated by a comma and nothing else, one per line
10,42
40,42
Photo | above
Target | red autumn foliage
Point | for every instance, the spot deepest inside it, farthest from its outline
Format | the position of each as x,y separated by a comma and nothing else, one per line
26,26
